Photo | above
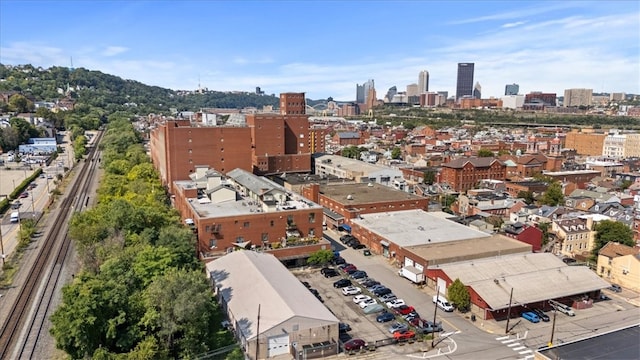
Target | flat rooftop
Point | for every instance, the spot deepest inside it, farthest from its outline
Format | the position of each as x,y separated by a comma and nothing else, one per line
351,164
617,344
416,227
574,172
362,193
478,248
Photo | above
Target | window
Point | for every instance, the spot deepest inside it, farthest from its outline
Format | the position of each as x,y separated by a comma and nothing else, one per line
240,239
271,223
312,218
265,237
312,232
213,243
246,224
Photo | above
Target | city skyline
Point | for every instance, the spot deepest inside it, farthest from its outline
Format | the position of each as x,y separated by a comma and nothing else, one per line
285,47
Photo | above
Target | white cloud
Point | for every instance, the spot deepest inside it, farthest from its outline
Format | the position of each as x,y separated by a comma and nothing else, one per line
513,24
114,50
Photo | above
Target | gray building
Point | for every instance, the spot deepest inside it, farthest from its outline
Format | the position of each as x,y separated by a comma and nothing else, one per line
511,89
464,83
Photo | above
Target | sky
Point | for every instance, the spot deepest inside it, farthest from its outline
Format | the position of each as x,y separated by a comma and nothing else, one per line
325,48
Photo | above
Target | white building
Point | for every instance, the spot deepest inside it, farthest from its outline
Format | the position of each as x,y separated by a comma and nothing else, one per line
614,146
359,171
512,101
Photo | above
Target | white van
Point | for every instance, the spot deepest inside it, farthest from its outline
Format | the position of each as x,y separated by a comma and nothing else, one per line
442,303
15,217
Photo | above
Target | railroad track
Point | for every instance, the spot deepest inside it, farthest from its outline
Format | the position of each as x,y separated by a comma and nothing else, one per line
21,330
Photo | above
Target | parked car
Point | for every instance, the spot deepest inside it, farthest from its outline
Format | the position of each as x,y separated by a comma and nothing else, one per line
385,316
387,297
568,260
24,195
370,282
442,303
331,273
428,327
362,280
544,317
306,284
363,304
346,237
374,308
615,288
531,316
354,344
359,247
404,309
325,269
358,274
395,303
351,290
314,291
404,335
398,326
360,298
342,283
565,310
410,316
381,291
349,267
375,287
338,260
344,327
16,205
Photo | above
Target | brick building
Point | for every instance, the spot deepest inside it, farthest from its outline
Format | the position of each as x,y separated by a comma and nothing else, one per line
589,144
242,210
465,173
526,233
264,144
346,202
578,177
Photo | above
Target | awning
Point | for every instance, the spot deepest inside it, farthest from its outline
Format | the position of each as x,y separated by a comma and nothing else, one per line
242,244
384,243
332,214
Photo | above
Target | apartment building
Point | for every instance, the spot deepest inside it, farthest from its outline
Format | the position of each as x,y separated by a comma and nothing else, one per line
575,235
577,97
240,210
465,173
589,144
620,264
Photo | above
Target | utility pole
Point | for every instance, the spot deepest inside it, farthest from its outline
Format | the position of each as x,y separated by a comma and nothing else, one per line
506,330
258,334
435,311
1,248
553,328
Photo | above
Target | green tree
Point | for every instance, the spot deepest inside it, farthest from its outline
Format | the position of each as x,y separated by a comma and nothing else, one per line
458,294
485,153
20,104
396,153
607,231
625,184
544,227
320,257
554,195
526,196
429,177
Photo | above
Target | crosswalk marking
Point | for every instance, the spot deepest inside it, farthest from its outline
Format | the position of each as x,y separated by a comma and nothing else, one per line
524,352
514,344
519,348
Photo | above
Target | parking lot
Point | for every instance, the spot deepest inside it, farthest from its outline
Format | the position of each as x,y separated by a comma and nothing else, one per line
362,326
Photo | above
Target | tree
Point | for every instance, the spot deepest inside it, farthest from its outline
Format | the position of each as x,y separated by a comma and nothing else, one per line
20,104
554,195
458,294
544,227
396,153
320,257
485,153
607,231
526,196
429,177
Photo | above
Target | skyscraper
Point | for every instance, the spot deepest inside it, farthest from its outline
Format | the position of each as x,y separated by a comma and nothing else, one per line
511,89
360,94
368,86
477,91
464,84
423,82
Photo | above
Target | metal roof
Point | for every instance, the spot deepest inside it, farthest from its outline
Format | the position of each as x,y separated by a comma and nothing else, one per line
248,279
534,277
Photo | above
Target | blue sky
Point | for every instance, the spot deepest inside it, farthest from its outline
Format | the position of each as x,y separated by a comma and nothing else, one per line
324,48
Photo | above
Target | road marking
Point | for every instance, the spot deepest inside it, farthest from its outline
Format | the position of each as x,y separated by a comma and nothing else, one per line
519,348
524,352
508,341
514,344
502,338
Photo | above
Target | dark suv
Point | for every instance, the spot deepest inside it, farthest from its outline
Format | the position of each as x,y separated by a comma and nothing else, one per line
544,317
342,283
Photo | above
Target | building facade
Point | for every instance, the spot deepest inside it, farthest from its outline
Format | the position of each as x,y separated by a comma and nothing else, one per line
589,144
577,97
465,173
464,82
545,99
423,82
511,89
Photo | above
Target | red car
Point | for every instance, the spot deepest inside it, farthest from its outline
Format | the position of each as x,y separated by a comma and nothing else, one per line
354,344
404,309
348,268
24,195
404,335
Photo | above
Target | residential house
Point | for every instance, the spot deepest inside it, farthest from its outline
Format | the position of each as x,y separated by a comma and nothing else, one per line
526,233
620,264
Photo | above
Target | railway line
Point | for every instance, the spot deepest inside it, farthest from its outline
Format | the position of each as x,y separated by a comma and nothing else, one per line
22,329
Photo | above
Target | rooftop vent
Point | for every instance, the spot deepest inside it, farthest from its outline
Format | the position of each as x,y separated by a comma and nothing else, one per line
349,197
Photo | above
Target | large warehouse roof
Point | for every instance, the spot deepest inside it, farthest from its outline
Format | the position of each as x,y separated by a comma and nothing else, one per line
534,277
416,227
248,279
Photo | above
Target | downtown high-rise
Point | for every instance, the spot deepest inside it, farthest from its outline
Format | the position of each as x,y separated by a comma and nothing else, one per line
464,83
423,82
